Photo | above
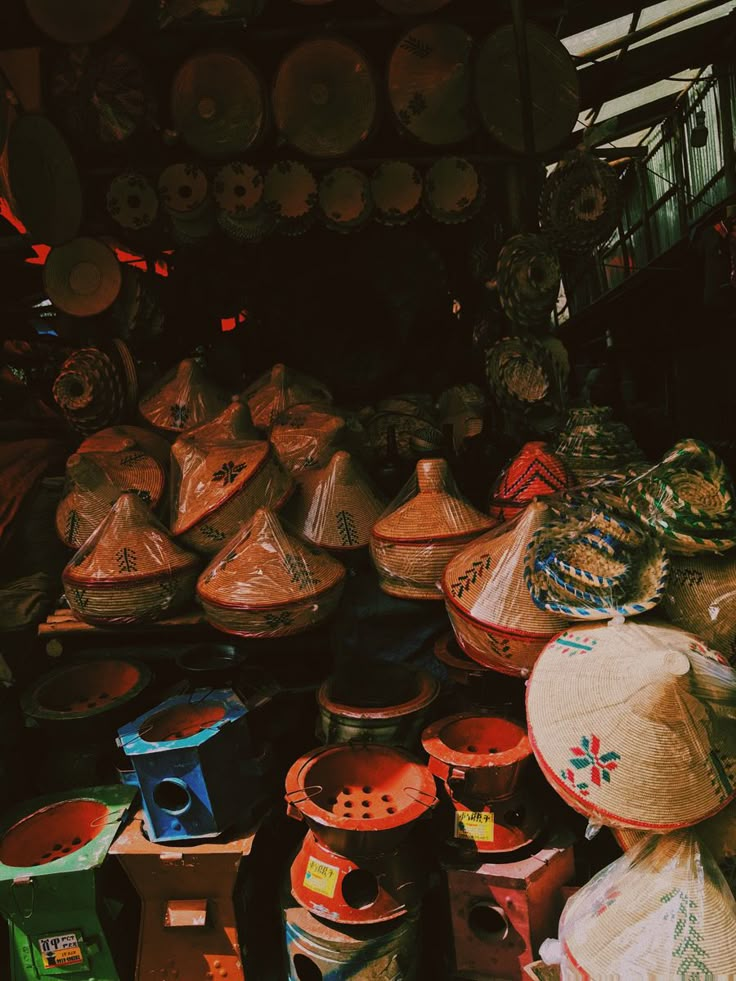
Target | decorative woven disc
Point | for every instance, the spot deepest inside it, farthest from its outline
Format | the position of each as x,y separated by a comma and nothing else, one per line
581,202
238,189
82,277
453,191
345,201
290,193
77,21
132,201
397,192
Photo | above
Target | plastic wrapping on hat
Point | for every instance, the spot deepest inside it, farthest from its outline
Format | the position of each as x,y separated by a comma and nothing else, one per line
217,485
633,724
534,472
290,193
130,570
593,444
82,277
267,582
337,506
495,620
581,202
593,564
663,910
429,80
279,389
120,438
182,399
528,277
686,500
233,424
462,407
306,436
218,103
324,97
453,190
397,189
132,201
701,597
94,482
345,200
423,528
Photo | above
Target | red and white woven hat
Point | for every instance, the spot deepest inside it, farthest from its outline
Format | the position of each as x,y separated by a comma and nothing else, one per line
534,472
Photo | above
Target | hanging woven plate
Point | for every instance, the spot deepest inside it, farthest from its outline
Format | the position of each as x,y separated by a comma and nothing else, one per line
43,180
453,190
554,84
218,103
100,96
132,201
429,83
528,279
185,194
345,201
324,97
290,193
77,21
204,10
410,7
238,189
82,277
397,192
581,202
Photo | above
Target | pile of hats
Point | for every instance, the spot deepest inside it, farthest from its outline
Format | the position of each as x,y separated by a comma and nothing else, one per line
581,202
528,278
96,388
592,444
306,436
686,500
534,472
279,389
701,597
404,426
185,397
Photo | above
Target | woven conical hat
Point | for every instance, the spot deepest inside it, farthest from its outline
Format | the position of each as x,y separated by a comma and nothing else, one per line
635,724
279,389
232,424
94,483
121,438
534,472
397,192
663,910
337,506
305,436
701,597
184,398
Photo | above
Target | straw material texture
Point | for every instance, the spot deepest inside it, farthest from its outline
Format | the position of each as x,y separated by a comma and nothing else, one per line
397,192
305,437
182,399
129,570
701,597
534,472
117,439
233,424
91,390
635,724
278,390
266,582
663,910
453,190
345,201
528,279
581,202
593,444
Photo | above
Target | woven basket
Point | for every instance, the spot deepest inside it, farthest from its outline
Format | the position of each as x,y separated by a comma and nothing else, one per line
238,189
132,201
266,582
663,910
528,278
337,506
94,483
345,201
306,436
290,194
453,191
534,472
397,192
631,722
278,390
581,202
130,570
414,541
91,390
185,194
82,277
592,444
701,597
182,399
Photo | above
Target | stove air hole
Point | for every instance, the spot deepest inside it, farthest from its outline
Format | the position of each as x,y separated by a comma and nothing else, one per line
360,889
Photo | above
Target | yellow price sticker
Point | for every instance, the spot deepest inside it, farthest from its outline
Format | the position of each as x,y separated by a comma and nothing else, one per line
321,877
61,950
474,825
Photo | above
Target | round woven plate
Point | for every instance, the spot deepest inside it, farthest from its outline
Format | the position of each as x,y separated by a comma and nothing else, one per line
238,189
325,98
290,193
453,190
77,21
183,188
44,180
82,277
554,83
397,192
345,201
580,203
429,83
132,201
218,103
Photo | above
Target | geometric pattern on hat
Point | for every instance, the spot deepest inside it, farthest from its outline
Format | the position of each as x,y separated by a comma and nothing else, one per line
534,472
305,436
232,424
634,724
278,389
182,399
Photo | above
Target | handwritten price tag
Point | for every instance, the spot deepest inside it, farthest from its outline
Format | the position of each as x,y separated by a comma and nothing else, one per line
321,878
474,825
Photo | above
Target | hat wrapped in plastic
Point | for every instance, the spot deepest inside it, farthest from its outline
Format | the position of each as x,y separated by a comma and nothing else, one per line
594,564
94,481
593,444
528,279
130,570
534,472
306,436
686,500
217,484
662,910
233,424
495,620
633,724
267,582
279,389
337,506
397,192
701,597
117,439
182,399
424,527
463,407
581,202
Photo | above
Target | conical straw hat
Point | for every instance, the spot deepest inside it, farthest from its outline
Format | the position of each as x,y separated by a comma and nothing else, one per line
422,530
130,569
634,724
94,483
663,910
534,472
266,582
218,485
233,424
305,436
337,506
701,597
182,399
279,389
121,438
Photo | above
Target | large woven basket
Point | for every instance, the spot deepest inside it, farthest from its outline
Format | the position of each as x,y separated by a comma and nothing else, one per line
534,472
494,618
278,390
182,399
701,597
425,528
130,570
633,723
266,582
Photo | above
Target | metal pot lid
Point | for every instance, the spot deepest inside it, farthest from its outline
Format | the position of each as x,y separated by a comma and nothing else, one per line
77,21
82,277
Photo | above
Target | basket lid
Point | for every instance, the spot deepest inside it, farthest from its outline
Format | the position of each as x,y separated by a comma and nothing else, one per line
633,723
397,192
77,21
337,505
132,201
130,545
430,508
429,79
182,399
345,198
238,188
121,438
535,471
279,389
82,277
662,910
453,190
266,566
183,187
324,97
485,580
218,103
